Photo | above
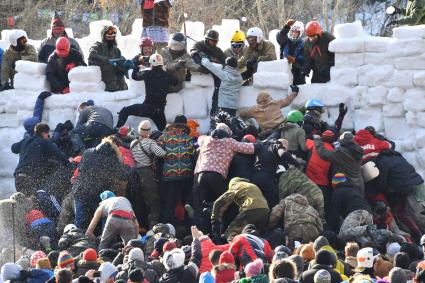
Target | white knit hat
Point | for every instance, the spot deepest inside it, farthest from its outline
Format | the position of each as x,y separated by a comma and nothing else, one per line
173,259
144,126
136,254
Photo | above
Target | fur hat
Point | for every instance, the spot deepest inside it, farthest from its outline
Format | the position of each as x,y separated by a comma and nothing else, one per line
10,271
173,259
36,256
90,255
254,268
136,254
43,263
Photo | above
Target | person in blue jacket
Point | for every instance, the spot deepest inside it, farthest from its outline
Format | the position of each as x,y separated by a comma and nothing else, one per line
292,48
29,123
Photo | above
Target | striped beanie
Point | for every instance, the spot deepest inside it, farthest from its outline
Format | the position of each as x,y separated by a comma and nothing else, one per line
65,260
338,178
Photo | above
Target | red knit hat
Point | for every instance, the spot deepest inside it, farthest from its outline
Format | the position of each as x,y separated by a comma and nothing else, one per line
90,255
226,258
168,246
328,136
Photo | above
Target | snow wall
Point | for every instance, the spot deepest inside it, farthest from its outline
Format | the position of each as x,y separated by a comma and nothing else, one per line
382,80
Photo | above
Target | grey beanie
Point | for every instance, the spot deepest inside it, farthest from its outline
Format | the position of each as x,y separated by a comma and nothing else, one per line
319,243
322,276
397,275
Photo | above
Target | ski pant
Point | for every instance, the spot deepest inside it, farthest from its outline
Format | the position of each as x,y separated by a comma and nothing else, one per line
268,185
150,194
354,225
170,192
259,217
156,113
117,226
88,131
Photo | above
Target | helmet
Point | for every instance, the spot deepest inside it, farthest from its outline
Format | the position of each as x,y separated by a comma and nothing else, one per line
313,103
211,35
365,258
257,32
156,60
63,47
313,28
422,240
16,34
146,42
177,42
238,36
297,26
295,116
322,276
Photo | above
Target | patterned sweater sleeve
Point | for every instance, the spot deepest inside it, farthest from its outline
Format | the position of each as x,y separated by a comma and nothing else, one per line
156,149
241,147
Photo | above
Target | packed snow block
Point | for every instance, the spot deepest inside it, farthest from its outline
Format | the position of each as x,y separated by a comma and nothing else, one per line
405,145
271,80
400,78
24,114
420,119
4,44
415,100
89,74
349,30
410,63
376,96
9,121
396,95
411,118
377,59
76,86
202,80
10,136
404,32
29,82
420,137
275,66
272,38
137,27
195,104
331,114
347,45
357,95
309,91
248,97
396,128
393,110
8,160
377,44
204,126
32,68
421,157
174,106
406,47
368,116
334,94
194,32
370,75
419,78
344,76
349,60
57,116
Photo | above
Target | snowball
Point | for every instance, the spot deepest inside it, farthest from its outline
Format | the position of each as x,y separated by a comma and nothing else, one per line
347,45
377,44
406,47
349,59
89,74
415,100
271,80
392,110
396,95
174,106
203,80
404,32
420,137
76,86
275,66
419,78
344,76
368,116
375,96
349,30
32,68
194,110
410,63
57,116
29,82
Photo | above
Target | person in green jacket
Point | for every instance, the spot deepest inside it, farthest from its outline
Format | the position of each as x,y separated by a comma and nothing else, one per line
19,49
102,53
414,14
253,208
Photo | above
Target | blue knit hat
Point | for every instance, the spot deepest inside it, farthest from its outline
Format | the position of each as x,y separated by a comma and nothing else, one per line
106,194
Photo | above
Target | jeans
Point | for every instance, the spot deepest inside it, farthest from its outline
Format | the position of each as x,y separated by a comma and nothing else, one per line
143,110
84,210
82,133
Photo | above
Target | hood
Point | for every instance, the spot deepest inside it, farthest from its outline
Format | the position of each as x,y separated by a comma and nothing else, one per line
103,32
264,98
30,123
236,180
177,128
107,147
363,137
299,199
290,125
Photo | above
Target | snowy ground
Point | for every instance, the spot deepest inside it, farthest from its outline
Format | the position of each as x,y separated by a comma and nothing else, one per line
382,80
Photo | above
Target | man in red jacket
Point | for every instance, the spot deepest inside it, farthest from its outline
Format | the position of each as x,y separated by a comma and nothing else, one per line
371,145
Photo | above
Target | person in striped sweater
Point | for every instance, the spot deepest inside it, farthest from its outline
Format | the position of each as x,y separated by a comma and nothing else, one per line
145,150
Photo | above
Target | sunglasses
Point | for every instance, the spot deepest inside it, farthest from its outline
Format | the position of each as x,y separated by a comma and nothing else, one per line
237,45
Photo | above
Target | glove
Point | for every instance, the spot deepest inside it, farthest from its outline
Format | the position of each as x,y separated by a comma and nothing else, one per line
216,229
128,64
294,88
69,67
59,128
44,94
65,90
112,62
291,59
342,109
290,22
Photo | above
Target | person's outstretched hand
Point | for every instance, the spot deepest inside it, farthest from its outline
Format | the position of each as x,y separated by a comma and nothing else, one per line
196,234
342,109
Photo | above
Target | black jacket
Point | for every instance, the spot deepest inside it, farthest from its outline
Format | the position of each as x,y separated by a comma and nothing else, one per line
152,271
242,166
344,201
75,242
35,154
157,82
214,53
318,58
308,276
57,69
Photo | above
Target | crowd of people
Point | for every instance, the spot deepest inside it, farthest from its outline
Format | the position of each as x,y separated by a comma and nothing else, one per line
264,197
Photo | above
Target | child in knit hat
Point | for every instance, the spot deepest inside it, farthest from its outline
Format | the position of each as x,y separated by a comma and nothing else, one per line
65,260
254,271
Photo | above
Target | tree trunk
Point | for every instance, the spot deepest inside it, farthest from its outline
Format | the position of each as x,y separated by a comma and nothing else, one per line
325,14
334,15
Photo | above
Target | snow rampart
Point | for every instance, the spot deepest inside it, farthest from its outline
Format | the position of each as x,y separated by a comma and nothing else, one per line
382,80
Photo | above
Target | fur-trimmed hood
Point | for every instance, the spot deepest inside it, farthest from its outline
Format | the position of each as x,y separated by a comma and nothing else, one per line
107,146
